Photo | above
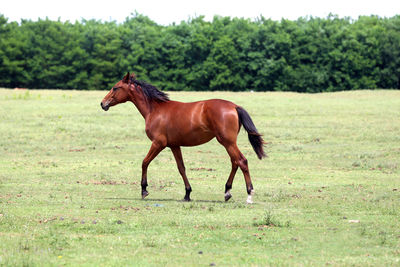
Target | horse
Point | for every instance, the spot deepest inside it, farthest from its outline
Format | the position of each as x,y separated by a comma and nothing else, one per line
174,124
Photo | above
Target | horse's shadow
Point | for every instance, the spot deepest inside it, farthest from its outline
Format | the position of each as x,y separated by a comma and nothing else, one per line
165,200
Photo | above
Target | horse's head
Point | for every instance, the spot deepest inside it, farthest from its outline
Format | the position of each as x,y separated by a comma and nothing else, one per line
119,93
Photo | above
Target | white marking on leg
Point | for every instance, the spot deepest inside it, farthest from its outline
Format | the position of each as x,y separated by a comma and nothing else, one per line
228,193
250,197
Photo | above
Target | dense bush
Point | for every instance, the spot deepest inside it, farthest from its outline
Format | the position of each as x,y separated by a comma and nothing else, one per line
306,55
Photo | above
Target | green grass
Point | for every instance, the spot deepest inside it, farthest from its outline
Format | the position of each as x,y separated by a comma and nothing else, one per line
328,194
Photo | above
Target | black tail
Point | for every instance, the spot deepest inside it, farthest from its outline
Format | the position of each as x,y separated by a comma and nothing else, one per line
255,138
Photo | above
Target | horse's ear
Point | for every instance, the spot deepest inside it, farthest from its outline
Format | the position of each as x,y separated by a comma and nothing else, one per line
126,78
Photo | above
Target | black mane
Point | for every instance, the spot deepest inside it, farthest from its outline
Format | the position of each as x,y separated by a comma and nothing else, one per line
151,92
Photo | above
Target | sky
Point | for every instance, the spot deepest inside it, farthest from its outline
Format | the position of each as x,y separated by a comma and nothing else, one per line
168,11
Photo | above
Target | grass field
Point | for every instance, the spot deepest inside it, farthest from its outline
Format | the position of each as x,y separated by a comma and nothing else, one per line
328,194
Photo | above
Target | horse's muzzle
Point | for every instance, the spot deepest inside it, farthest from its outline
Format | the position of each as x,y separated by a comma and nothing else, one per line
104,107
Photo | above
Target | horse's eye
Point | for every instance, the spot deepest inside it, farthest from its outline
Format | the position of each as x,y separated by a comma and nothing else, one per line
115,88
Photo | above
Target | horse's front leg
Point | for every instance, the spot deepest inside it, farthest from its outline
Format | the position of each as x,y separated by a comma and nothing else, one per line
155,149
181,167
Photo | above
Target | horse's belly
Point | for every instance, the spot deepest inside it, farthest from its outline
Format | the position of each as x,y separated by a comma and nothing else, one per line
191,138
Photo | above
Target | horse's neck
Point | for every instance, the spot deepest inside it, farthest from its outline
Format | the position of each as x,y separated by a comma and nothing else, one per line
142,104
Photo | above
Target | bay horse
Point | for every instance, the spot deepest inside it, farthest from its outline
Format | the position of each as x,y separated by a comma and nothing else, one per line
174,124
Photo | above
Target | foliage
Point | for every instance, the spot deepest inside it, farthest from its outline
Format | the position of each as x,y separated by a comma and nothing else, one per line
236,54
328,194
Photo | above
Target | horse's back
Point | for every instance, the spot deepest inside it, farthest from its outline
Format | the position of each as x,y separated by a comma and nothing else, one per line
215,114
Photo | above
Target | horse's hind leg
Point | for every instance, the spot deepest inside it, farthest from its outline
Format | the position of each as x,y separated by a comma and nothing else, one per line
228,185
181,167
238,159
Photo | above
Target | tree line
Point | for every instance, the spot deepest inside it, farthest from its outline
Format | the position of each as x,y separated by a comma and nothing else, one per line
306,55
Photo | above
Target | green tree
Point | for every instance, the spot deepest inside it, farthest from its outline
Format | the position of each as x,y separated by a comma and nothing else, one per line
13,44
389,44
222,66
306,55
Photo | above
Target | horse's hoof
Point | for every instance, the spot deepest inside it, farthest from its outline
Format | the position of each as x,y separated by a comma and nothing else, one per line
144,194
187,199
250,197
227,196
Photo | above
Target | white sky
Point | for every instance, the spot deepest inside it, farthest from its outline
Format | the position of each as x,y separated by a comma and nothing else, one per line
169,11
